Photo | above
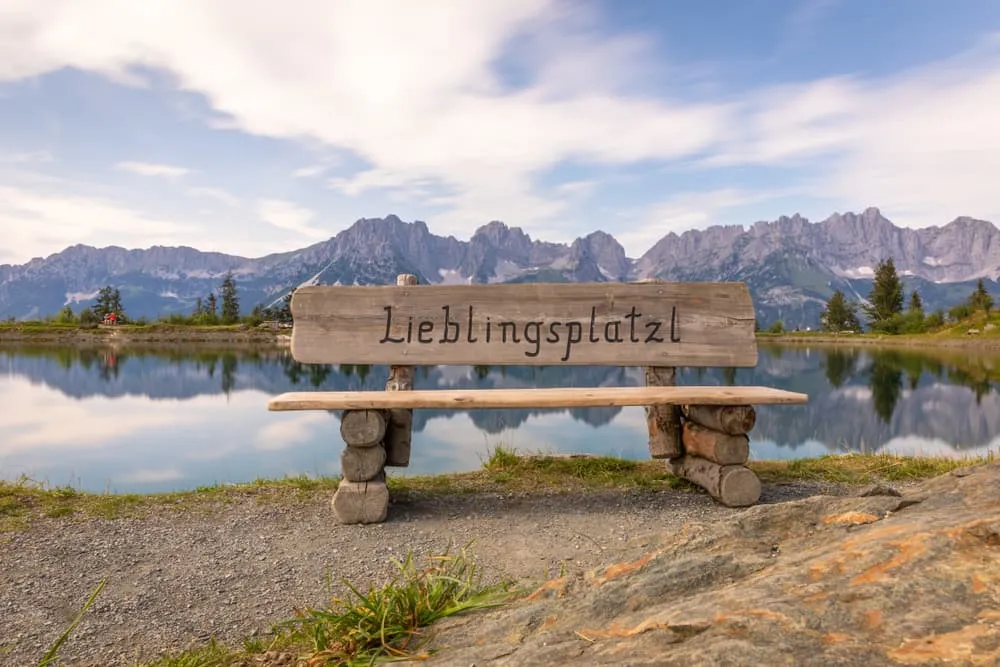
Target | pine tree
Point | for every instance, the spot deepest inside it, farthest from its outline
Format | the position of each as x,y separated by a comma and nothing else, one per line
840,314
230,301
886,296
916,303
212,308
103,304
109,300
285,312
981,299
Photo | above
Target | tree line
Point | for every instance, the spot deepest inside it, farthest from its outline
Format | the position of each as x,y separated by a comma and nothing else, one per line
885,312
222,308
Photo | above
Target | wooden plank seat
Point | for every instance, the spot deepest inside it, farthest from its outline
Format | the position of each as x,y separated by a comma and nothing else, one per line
557,397
702,431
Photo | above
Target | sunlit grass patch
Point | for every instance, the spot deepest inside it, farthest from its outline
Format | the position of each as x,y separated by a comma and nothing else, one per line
392,621
863,468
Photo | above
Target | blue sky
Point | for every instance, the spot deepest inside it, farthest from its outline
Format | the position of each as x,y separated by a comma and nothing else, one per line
254,128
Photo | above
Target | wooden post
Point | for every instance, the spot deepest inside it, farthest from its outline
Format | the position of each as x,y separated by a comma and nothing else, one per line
733,486
399,432
731,419
663,421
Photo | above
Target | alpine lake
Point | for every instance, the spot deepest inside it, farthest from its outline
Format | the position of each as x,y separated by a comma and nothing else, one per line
145,420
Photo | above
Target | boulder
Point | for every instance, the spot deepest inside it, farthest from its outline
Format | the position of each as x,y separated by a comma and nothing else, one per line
868,580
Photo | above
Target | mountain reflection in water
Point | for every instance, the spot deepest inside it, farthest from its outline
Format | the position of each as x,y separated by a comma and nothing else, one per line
149,420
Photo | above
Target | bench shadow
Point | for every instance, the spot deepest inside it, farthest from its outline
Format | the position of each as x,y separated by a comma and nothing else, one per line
409,506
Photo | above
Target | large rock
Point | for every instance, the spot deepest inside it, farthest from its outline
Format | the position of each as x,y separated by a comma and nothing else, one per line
874,579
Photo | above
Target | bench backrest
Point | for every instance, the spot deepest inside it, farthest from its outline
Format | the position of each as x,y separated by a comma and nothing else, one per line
550,324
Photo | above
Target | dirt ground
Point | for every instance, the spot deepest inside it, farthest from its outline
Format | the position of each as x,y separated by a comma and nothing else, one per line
177,578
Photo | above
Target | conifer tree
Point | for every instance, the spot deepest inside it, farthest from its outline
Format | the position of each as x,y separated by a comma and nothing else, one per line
885,300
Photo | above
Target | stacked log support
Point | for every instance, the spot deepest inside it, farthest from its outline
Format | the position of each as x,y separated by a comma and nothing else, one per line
374,439
715,450
362,495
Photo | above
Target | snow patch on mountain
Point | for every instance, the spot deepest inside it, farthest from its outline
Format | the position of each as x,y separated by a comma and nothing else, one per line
78,297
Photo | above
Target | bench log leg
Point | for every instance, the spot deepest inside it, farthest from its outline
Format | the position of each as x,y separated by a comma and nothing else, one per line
716,449
731,485
362,502
663,421
362,495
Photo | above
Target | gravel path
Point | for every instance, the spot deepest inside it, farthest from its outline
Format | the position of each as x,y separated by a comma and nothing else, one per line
177,578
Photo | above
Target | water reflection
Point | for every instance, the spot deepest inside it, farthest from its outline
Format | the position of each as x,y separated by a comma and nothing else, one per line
160,419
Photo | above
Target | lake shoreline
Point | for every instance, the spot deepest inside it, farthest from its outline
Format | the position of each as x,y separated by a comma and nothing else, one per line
244,336
154,335
925,341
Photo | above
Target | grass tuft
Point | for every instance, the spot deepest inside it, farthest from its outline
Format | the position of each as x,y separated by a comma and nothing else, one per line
863,468
500,458
390,622
52,655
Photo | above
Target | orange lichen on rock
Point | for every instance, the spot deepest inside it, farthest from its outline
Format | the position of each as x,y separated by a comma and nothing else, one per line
617,631
909,549
834,638
854,518
873,619
827,566
548,622
554,586
622,569
949,647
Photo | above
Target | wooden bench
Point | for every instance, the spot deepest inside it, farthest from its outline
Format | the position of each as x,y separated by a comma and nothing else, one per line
700,430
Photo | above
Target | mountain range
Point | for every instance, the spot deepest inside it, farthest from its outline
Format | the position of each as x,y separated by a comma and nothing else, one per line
791,265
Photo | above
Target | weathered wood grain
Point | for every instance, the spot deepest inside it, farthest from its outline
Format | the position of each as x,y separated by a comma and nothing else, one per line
399,435
731,419
618,324
362,428
361,464
663,421
557,397
716,446
361,502
733,486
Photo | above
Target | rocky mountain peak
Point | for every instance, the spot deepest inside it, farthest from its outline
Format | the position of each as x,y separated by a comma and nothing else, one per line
791,265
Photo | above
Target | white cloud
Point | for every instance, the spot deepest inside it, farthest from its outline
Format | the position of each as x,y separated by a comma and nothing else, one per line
291,431
25,157
437,117
217,194
152,169
290,216
311,171
31,218
150,476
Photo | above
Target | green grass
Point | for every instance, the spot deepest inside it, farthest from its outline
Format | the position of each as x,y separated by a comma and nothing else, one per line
863,468
381,624
504,470
26,499
51,656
